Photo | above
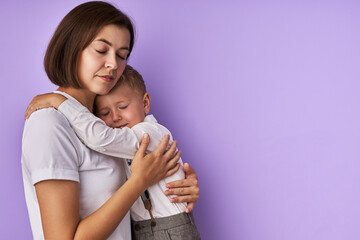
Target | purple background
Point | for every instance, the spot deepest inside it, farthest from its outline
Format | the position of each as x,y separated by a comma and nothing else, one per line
262,97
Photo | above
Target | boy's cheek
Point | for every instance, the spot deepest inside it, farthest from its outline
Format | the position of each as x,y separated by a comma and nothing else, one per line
107,121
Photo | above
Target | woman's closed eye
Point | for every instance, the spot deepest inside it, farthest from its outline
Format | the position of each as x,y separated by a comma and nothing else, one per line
121,57
101,52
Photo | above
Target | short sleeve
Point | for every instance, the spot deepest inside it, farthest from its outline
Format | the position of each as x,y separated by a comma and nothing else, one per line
49,147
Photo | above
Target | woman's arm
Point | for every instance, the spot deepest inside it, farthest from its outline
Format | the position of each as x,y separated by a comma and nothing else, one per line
59,199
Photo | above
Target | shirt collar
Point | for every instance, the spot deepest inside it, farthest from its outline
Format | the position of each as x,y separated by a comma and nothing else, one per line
150,118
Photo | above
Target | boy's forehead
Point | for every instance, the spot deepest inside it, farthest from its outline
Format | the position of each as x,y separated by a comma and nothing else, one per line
122,92
125,89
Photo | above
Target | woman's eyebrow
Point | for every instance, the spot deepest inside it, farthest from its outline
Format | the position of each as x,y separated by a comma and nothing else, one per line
109,43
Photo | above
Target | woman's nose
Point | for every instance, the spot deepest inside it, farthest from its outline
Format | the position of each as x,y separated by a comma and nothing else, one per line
111,61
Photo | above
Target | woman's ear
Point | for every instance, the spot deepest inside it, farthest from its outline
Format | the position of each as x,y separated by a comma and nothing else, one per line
146,102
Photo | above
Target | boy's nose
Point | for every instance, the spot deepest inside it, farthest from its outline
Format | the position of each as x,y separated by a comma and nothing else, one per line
116,117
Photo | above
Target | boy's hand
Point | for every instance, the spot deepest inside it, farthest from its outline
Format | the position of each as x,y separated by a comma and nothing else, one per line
44,101
188,190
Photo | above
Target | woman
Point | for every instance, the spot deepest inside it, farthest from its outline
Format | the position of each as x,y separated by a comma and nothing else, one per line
71,191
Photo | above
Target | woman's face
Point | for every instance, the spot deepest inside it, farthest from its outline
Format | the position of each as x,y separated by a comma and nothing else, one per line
103,61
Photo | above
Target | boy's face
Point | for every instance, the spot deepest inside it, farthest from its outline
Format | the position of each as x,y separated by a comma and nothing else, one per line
122,107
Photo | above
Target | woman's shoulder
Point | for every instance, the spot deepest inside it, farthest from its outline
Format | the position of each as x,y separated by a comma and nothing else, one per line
49,145
47,121
48,130
46,116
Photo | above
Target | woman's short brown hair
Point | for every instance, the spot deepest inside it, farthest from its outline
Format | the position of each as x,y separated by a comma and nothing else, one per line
74,33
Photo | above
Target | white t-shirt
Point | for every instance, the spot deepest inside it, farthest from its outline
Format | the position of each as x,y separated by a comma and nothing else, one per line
51,150
112,141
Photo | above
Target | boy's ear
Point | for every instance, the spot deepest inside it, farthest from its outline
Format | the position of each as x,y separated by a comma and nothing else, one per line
146,102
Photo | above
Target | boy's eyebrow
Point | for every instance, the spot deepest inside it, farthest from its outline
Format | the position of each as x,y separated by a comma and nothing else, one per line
121,101
109,43
100,109
105,107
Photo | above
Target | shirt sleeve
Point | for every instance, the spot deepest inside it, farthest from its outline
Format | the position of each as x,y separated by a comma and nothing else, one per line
156,132
48,148
95,134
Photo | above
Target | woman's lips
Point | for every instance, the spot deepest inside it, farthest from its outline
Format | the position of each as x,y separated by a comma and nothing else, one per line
107,78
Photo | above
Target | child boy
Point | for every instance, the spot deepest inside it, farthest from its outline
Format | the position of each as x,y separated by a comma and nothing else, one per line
125,106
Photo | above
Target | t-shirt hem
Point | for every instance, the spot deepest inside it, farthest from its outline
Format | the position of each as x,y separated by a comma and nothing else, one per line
54,173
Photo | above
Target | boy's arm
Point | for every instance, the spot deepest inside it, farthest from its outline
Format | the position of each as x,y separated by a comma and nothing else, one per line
95,134
120,142
156,132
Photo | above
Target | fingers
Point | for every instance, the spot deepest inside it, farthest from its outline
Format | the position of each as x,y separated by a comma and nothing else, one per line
162,146
189,171
191,182
143,145
44,101
186,167
29,110
173,161
173,170
186,199
171,151
186,190
191,191
189,207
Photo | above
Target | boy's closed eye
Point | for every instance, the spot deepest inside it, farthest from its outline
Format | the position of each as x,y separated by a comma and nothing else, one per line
103,114
123,106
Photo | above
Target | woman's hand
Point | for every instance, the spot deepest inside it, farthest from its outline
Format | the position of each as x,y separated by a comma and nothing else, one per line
44,101
151,168
188,190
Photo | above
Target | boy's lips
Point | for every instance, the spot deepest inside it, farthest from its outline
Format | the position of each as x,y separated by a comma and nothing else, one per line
123,125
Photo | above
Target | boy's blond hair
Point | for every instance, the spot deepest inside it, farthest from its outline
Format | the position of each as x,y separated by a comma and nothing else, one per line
133,79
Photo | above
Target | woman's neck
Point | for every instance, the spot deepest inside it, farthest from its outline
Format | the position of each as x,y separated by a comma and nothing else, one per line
84,96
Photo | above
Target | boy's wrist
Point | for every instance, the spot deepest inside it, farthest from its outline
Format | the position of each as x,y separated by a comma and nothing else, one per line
57,100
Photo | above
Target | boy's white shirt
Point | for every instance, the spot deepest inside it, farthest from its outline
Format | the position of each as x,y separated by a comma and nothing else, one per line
123,143
93,131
